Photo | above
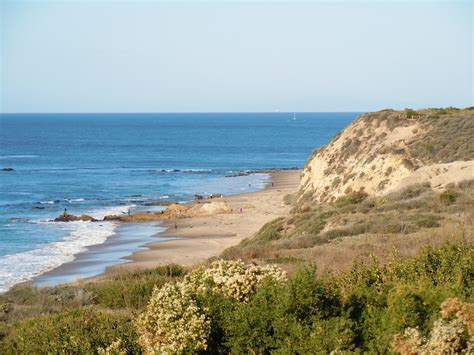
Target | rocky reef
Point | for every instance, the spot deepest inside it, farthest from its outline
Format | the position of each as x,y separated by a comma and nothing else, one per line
65,217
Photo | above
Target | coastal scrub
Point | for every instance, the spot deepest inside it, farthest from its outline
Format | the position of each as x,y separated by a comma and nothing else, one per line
174,322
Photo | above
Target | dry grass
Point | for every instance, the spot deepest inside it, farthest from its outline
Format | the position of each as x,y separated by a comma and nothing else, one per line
448,138
333,235
339,254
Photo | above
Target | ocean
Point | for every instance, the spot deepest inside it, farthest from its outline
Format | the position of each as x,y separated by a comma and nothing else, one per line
102,164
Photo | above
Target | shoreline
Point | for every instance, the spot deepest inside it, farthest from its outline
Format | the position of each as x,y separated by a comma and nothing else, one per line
128,236
199,238
196,240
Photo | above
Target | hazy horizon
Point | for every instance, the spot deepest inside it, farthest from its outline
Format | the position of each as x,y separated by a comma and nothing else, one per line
221,56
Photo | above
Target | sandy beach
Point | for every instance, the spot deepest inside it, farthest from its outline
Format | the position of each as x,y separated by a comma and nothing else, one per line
203,237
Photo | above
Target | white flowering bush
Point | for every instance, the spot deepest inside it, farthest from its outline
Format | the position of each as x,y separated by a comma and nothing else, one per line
173,322
453,333
233,278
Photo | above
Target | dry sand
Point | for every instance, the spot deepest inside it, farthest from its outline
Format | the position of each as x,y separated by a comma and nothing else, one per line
204,237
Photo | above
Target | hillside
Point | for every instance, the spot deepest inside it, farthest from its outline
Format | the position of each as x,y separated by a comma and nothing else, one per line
390,180
385,151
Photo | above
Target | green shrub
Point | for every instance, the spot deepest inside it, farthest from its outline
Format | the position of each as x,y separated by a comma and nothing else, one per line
427,221
384,300
335,334
299,317
312,222
219,308
132,289
410,113
125,294
270,231
448,196
309,297
351,199
260,325
79,331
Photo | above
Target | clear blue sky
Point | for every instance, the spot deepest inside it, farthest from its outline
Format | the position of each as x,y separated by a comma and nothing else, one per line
144,56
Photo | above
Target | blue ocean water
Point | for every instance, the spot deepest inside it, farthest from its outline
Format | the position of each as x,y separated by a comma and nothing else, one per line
108,163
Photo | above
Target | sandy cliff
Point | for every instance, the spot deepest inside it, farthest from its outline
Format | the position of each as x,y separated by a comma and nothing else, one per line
385,151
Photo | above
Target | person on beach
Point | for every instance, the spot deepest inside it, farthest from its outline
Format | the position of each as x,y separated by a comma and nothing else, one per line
272,183
65,212
175,225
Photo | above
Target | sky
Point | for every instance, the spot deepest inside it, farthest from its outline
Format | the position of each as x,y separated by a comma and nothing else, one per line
240,56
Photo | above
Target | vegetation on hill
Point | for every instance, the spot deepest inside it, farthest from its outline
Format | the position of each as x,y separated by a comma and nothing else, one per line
379,150
408,218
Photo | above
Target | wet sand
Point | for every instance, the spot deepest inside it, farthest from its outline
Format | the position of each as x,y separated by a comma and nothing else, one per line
95,260
200,238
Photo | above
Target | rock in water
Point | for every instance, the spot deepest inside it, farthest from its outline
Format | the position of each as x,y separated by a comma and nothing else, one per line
65,217
7,169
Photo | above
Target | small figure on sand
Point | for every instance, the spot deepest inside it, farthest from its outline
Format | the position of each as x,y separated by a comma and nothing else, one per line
241,209
175,225
272,183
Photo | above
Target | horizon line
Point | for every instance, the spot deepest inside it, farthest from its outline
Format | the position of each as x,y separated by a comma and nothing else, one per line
218,112
168,112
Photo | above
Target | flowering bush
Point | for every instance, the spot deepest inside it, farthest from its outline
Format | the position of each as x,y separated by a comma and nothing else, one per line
173,322
233,278
453,333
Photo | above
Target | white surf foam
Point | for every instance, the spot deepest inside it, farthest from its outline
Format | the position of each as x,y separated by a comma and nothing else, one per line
24,266
51,202
17,156
74,199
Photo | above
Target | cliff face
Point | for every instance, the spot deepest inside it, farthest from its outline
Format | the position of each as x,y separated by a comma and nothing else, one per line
388,150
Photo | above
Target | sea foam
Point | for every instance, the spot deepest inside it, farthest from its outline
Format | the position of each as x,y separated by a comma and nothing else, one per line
24,266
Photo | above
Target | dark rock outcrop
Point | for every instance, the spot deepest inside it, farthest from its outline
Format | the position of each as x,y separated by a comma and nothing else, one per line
7,169
65,217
